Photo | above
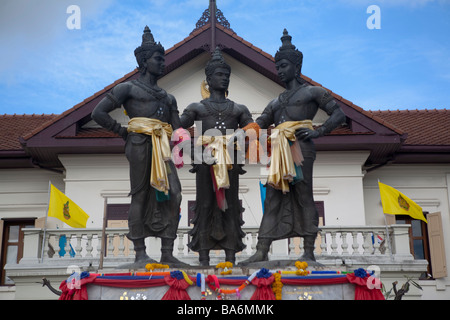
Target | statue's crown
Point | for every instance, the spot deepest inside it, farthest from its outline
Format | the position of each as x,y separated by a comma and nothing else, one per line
216,61
148,42
287,49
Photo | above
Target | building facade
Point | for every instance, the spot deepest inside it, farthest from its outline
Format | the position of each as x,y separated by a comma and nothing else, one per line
88,164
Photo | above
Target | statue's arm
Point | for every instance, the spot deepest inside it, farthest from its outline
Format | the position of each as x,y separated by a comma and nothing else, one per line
174,113
188,116
113,100
245,116
327,103
266,118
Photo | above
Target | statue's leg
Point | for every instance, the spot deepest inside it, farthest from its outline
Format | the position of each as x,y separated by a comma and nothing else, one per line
141,255
262,252
204,257
309,217
230,256
308,245
167,254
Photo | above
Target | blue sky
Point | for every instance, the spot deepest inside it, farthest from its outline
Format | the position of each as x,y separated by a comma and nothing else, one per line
47,68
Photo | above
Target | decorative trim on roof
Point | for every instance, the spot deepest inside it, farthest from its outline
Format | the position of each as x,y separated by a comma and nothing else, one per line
206,18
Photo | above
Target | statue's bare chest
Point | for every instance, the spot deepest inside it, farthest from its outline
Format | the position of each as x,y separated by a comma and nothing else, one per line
148,103
296,106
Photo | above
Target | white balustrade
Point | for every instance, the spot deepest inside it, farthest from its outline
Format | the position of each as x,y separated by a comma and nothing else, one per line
338,241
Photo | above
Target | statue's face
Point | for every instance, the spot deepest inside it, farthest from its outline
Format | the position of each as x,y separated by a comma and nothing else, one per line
286,70
156,64
220,79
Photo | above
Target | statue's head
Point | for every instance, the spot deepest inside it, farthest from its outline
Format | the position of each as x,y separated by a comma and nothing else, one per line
289,52
147,49
217,61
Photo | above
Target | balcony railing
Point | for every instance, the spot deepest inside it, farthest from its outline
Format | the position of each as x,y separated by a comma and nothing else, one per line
332,242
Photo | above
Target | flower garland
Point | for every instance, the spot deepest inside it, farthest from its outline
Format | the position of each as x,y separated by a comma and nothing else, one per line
152,266
301,269
213,283
226,266
277,285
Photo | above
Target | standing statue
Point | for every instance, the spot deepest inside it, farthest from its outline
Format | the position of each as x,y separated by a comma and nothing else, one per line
289,209
217,221
155,187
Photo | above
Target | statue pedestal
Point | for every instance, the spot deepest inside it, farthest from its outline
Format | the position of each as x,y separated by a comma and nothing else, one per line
318,285
289,292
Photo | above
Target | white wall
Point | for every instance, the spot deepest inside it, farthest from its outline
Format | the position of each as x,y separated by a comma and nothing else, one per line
24,192
338,181
428,186
91,177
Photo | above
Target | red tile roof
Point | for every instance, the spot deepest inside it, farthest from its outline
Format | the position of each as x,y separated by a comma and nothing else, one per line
12,127
424,127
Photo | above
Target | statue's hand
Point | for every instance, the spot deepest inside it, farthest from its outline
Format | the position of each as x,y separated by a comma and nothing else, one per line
123,132
181,138
305,134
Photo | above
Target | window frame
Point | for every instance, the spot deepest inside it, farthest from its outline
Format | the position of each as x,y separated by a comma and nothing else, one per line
5,243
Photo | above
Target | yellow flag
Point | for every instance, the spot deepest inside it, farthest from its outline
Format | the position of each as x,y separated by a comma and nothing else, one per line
64,209
395,202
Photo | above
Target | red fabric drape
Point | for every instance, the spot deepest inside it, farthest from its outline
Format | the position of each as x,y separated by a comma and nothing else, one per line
362,291
313,282
130,283
263,289
177,289
79,292
75,291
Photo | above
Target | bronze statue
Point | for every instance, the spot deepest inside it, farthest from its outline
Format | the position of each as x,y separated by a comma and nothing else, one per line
217,221
155,187
289,209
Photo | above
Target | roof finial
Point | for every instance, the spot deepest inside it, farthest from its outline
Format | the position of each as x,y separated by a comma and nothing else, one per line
210,14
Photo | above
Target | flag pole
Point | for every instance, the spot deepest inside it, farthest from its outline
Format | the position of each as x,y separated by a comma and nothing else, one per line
388,238
103,244
45,223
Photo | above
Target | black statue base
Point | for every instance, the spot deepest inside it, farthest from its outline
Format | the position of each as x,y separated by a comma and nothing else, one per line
273,264
142,263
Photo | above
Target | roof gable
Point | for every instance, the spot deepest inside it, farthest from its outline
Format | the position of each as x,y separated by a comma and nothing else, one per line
67,133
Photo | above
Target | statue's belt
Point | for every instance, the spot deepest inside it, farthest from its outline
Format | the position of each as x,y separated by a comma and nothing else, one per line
223,162
161,133
282,167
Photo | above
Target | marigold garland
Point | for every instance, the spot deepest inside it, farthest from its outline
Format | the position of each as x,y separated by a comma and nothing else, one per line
226,266
301,266
152,266
277,285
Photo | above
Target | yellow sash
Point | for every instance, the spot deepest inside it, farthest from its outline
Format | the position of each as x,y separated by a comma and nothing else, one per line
219,151
282,167
160,132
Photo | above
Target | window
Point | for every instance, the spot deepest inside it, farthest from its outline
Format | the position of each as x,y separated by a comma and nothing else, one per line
12,245
418,238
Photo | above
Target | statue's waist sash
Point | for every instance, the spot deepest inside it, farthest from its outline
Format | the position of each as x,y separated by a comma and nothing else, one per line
160,133
282,167
223,161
